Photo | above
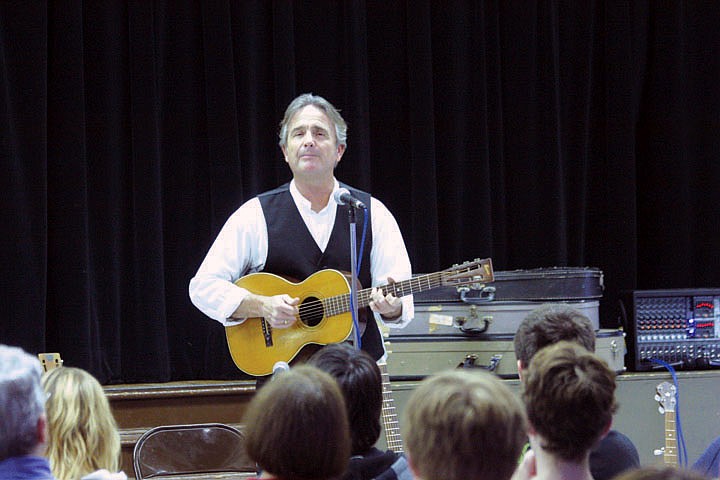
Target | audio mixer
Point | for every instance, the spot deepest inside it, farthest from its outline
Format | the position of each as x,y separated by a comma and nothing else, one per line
680,327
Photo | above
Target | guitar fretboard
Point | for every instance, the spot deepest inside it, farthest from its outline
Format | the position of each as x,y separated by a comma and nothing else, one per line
670,451
341,303
667,397
389,413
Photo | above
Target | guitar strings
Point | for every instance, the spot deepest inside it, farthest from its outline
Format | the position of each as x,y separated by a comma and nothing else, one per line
342,302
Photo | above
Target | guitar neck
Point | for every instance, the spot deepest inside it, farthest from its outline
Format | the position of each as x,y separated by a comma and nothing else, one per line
389,413
417,284
341,303
670,451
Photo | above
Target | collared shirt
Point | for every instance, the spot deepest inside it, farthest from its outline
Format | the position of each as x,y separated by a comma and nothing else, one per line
241,248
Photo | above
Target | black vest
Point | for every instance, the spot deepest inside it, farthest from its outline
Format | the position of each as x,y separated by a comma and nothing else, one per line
293,253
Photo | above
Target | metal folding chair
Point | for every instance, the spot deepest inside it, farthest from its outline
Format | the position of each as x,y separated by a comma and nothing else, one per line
206,450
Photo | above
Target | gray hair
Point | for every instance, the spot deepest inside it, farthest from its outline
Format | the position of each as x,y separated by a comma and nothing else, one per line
317,101
22,401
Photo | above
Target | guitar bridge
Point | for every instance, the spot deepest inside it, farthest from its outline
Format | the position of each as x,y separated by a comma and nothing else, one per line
267,333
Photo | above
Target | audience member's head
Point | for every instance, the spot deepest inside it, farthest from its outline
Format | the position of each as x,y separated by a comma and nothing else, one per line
84,436
661,473
550,324
23,429
361,383
297,426
463,425
569,394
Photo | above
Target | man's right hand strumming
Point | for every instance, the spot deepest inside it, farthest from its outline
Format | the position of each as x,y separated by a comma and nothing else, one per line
281,311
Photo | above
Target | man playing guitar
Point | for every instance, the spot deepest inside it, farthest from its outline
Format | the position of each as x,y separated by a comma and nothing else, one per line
298,229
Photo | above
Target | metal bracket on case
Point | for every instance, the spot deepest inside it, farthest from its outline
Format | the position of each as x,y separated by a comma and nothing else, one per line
487,294
464,323
470,360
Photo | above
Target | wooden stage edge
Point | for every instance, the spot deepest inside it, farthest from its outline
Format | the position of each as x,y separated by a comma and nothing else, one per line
140,407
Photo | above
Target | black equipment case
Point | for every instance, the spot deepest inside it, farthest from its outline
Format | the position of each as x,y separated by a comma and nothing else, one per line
539,284
500,306
475,326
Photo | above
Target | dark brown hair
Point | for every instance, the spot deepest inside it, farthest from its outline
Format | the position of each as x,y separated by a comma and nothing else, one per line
660,473
569,394
550,324
361,383
297,427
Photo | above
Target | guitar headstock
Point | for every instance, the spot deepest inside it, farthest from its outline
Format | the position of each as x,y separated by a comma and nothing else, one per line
50,361
478,271
666,397
385,332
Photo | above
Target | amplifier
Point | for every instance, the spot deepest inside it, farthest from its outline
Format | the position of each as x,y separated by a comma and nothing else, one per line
680,327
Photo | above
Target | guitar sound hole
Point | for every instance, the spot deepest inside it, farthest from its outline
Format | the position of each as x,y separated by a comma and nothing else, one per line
311,311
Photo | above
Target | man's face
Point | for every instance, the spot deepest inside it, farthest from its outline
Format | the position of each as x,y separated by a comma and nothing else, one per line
311,149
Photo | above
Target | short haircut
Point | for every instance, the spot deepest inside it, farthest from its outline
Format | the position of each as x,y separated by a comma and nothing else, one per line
661,473
83,432
569,394
317,101
361,383
297,427
550,324
464,425
22,402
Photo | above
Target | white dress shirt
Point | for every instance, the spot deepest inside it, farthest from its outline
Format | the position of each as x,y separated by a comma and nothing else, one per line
241,248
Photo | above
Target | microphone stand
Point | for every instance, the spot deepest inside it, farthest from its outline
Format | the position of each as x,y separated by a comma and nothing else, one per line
354,275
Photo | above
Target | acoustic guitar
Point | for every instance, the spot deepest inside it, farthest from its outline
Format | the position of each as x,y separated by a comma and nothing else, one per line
324,312
666,398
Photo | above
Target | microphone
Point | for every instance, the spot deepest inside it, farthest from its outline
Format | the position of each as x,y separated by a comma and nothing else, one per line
279,368
342,196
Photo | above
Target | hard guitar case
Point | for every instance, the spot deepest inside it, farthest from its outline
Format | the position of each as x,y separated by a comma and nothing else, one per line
474,326
412,358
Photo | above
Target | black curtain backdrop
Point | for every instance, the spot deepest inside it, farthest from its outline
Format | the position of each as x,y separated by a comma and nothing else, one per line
553,133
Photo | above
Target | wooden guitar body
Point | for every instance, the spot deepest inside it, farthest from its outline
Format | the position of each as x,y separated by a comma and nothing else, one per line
255,346
324,311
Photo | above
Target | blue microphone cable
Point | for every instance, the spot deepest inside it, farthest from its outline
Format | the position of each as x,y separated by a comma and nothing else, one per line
359,264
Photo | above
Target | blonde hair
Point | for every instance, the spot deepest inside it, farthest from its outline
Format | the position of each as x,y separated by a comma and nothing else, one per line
83,433
464,425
